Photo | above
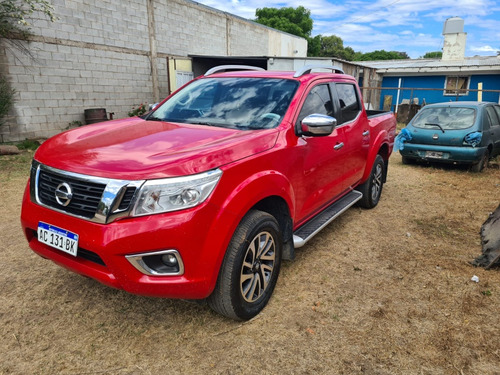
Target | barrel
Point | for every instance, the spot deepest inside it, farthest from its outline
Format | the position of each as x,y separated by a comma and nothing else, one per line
93,115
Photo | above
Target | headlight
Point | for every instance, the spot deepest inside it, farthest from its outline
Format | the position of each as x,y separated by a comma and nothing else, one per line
174,194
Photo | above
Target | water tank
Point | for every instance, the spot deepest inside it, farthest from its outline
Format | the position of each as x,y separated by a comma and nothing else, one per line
453,25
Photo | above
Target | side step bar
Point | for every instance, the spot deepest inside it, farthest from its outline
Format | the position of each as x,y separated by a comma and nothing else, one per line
321,220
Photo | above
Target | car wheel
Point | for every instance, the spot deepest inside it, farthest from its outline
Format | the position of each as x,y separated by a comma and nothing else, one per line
250,268
372,188
483,163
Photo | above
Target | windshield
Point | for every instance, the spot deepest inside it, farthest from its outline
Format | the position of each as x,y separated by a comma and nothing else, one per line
238,103
445,118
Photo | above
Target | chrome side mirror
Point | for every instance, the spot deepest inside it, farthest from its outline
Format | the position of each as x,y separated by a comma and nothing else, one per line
317,125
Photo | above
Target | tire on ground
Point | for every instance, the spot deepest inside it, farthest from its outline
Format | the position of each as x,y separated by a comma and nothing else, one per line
481,164
372,188
250,268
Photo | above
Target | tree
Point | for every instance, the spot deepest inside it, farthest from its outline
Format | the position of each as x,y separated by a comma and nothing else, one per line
382,55
14,20
333,46
433,55
296,21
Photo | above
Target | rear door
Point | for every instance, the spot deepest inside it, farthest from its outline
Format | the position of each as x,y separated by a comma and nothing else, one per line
354,125
495,132
323,158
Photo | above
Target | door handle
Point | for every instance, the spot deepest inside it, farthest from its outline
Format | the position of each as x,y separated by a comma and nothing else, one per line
366,132
338,146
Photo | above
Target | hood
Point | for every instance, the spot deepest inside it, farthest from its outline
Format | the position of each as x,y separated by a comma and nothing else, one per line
135,149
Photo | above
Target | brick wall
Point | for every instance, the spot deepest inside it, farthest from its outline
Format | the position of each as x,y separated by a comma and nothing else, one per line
98,54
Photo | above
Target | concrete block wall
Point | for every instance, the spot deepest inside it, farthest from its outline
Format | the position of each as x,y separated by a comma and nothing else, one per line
98,54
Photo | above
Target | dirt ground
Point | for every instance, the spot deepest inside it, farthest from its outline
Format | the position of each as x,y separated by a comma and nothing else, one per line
382,291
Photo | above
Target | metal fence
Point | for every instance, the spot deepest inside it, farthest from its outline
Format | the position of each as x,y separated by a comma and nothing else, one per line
409,100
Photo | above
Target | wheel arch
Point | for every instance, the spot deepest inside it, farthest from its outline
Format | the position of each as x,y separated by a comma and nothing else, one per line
267,191
380,147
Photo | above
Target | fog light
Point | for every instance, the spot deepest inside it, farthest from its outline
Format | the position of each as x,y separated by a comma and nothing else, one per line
169,260
158,263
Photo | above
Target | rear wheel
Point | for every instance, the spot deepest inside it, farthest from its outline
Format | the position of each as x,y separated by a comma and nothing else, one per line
372,188
250,269
483,163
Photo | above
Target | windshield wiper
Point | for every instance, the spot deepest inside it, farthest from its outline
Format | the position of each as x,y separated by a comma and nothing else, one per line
153,118
432,124
207,123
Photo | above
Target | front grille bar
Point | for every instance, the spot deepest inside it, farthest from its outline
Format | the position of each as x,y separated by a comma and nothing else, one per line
92,202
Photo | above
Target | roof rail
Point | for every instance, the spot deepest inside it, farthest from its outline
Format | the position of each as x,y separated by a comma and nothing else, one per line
306,69
223,68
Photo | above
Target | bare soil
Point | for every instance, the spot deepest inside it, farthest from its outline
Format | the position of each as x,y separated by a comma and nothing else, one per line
382,291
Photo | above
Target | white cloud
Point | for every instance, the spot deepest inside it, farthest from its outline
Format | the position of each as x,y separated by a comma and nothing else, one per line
484,49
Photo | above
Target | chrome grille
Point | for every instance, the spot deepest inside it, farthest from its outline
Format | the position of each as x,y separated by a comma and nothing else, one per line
86,195
97,199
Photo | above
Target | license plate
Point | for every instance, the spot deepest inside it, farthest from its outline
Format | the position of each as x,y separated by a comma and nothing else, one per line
58,238
434,154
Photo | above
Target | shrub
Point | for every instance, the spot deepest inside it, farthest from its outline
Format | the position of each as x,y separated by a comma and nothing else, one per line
139,111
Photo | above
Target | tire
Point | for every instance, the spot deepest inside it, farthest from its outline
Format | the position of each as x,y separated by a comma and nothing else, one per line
372,188
483,163
250,268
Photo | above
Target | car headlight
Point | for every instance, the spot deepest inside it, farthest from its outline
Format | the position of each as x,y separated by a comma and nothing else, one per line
174,194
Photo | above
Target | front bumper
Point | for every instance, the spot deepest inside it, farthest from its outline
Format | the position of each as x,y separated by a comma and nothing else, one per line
443,154
103,248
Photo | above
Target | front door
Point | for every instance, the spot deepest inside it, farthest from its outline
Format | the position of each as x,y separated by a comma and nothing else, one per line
323,157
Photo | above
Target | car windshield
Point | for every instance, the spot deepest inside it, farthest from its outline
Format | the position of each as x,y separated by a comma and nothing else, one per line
445,118
238,103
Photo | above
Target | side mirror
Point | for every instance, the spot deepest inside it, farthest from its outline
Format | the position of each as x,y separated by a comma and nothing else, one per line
318,125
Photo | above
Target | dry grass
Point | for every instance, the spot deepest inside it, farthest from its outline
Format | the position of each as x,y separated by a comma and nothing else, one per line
385,291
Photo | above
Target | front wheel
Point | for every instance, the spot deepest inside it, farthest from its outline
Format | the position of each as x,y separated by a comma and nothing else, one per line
372,188
250,268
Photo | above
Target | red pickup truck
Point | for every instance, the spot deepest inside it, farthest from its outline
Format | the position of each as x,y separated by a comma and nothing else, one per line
205,195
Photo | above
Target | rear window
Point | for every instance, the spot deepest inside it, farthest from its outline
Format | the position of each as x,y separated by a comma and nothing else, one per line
446,118
238,103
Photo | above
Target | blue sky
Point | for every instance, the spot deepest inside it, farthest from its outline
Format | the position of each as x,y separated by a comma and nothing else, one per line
410,26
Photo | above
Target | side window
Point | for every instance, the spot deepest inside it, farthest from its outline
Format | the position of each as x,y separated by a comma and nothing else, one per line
492,114
318,101
497,110
348,100
486,121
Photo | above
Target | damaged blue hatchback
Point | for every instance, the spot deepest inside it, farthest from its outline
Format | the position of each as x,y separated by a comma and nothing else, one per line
455,132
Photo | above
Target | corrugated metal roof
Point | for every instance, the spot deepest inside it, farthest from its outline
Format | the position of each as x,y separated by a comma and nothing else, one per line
469,63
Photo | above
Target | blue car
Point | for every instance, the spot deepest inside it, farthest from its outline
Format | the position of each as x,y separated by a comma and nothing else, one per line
455,132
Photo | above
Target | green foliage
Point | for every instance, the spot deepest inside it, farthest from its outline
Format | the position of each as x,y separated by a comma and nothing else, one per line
139,111
14,15
333,46
382,55
314,46
6,98
28,144
433,55
14,20
296,21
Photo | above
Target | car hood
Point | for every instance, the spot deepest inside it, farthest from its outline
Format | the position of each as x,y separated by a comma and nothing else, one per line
135,149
